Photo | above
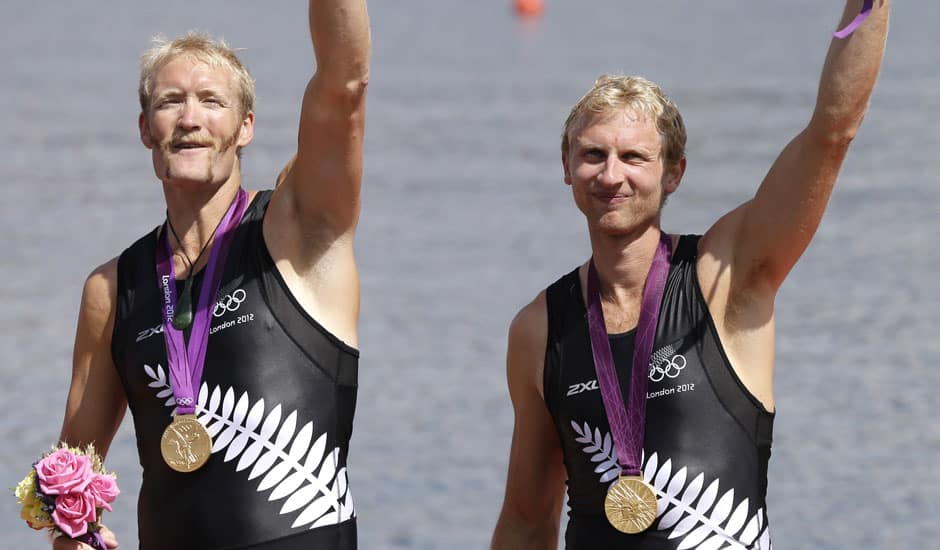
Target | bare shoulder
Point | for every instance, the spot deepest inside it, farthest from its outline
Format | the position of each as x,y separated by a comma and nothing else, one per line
530,325
528,335
733,288
741,305
99,294
318,266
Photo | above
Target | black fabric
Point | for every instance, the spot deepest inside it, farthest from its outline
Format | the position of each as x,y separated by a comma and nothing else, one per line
331,536
268,365
703,428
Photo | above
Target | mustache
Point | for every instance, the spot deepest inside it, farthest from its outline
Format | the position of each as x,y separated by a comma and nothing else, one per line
187,139
179,139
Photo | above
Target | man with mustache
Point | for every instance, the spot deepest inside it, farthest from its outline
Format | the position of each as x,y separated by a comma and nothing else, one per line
231,329
642,379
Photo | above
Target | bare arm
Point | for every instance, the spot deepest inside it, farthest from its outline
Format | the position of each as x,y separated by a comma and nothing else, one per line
746,255
321,186
535,482
96,400
764,238
311,221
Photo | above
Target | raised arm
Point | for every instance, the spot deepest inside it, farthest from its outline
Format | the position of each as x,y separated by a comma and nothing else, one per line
321,185
311,221
763,239
535,482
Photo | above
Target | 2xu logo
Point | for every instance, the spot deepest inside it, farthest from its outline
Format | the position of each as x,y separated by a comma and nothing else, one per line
581,387
670,368
229,303
147,333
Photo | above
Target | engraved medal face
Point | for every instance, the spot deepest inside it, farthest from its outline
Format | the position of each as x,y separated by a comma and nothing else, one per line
185,445
630,505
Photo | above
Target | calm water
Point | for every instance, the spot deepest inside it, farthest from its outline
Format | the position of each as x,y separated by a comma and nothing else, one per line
466,218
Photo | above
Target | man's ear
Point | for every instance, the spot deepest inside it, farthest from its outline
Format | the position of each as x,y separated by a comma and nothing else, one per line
144,128
673,177
247,131
564,165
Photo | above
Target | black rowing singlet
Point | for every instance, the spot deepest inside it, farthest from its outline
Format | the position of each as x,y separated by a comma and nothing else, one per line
707,441
278,396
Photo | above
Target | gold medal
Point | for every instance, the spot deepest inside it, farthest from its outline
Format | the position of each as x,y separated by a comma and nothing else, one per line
630,505
186,444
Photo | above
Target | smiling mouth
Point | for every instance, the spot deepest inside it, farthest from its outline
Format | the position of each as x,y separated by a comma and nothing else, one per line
188,146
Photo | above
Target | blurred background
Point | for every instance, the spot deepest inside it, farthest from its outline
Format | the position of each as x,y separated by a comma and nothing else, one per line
466,218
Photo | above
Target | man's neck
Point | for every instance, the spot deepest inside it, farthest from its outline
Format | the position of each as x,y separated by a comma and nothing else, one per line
623,263
195,212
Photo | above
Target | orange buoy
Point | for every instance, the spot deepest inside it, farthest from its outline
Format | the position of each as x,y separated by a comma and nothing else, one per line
529,8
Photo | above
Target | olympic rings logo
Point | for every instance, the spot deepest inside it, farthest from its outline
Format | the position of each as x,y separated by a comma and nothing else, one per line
231,302
667,369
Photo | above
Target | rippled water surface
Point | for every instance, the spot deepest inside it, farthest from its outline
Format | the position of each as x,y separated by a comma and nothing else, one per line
466,218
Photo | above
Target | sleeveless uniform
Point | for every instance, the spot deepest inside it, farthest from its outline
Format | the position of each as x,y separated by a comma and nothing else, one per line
278,396
707,439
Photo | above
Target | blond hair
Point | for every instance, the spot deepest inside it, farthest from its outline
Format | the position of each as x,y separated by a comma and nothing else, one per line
200,46
616,94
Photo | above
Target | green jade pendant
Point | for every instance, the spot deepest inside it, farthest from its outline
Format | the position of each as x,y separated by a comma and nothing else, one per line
183,312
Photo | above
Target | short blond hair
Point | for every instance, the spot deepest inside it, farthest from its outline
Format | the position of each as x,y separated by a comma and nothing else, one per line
616,94
203,47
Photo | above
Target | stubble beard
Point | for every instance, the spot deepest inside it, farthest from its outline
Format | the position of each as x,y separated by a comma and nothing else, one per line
635,219
621,225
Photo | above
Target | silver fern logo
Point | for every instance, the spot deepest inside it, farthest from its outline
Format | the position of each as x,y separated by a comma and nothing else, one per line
304,474
700,518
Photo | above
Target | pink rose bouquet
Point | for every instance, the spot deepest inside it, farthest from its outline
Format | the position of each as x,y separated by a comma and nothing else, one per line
65,492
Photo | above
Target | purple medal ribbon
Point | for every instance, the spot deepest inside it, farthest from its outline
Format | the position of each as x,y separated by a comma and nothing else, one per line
186,363
628,418
859,19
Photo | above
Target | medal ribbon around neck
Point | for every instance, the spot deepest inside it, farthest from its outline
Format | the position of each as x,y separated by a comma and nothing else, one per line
186,362
628,418
857,22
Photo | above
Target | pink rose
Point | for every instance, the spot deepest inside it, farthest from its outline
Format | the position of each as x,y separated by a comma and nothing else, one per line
103,490
73,512
63,472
